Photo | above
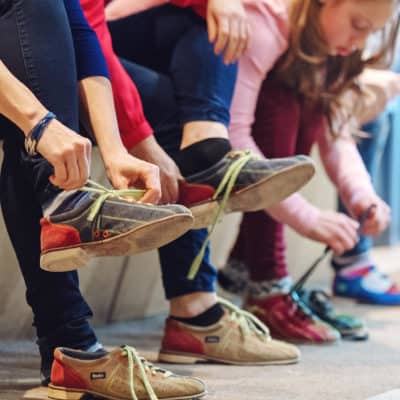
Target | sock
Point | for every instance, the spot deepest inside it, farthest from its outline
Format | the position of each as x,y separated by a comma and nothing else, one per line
202,155
208,317
351,265
269,288
63,202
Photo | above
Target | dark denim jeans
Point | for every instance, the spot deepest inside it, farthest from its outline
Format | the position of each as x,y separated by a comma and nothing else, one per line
173,41
179,79
36,46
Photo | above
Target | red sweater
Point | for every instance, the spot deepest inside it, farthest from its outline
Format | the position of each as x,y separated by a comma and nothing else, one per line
132,122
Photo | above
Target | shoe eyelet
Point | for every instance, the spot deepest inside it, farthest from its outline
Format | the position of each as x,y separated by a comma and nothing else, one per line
106,234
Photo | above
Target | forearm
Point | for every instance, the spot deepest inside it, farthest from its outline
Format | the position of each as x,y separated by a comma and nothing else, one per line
122,8
98,114
17,102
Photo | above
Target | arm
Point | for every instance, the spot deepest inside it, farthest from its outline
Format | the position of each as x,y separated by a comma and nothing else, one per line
346,169
67,152
98,108
268,42
134,129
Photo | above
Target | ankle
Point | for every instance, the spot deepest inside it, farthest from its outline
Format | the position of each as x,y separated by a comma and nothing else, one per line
194,132
192,305
267,288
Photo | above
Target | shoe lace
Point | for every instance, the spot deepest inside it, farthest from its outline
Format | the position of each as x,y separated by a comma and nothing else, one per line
247,322
226,186
301,310
105,193
143,367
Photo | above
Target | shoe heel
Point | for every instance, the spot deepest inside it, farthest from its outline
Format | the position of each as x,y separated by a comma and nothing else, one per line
64,394
64,260
177,358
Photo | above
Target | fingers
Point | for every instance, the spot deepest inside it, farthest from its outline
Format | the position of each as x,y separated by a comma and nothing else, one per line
212,28
60,174
230,34
151,179
222,35
344,235
233,42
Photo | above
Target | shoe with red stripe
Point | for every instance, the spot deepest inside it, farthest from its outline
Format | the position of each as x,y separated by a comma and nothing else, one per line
242,181
237,338
103,222
118,375
289,319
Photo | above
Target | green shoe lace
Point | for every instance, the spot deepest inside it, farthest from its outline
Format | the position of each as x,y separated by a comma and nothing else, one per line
226,186
248,322
105,193
143,367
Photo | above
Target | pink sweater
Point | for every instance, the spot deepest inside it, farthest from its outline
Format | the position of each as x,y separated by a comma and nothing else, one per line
269,40
269,23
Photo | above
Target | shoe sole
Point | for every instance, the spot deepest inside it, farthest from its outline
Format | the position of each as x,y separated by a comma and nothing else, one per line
259,196
143,238
61,393
188,358
38,393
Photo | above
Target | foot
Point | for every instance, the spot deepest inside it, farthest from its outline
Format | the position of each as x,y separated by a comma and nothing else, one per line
103,223
243,182
237,338
289,319
120,374
367,285
349,326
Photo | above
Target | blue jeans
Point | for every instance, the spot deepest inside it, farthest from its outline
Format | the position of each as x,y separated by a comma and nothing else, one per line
176,85
179,80
371,150
47,66
177,45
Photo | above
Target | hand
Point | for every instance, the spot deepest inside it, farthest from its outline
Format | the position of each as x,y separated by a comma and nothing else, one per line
68,153
379,216
149,150
124,171
336,230
228,28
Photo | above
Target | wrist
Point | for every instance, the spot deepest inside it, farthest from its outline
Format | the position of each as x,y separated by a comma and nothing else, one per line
31,117
110,153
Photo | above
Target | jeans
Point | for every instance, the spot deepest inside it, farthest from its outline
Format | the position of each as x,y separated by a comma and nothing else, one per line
371,150
179,79
177,45
46,64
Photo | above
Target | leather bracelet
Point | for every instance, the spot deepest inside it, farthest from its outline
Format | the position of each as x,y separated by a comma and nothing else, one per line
33,137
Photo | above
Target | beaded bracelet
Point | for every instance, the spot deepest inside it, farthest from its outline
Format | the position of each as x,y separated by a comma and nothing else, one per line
33,137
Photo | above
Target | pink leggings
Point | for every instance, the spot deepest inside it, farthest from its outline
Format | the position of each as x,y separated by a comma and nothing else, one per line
283,127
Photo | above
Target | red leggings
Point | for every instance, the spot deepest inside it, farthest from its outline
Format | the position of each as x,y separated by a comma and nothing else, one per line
283,127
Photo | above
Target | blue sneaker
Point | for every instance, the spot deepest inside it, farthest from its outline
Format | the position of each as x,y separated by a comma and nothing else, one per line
367,285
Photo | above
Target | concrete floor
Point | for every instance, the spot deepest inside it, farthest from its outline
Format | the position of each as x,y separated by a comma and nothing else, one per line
345,371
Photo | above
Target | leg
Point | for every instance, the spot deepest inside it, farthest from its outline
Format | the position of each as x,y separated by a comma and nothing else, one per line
60,312
195,312
280,130
177,42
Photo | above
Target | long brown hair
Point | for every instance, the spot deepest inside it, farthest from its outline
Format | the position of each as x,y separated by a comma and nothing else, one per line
318,78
